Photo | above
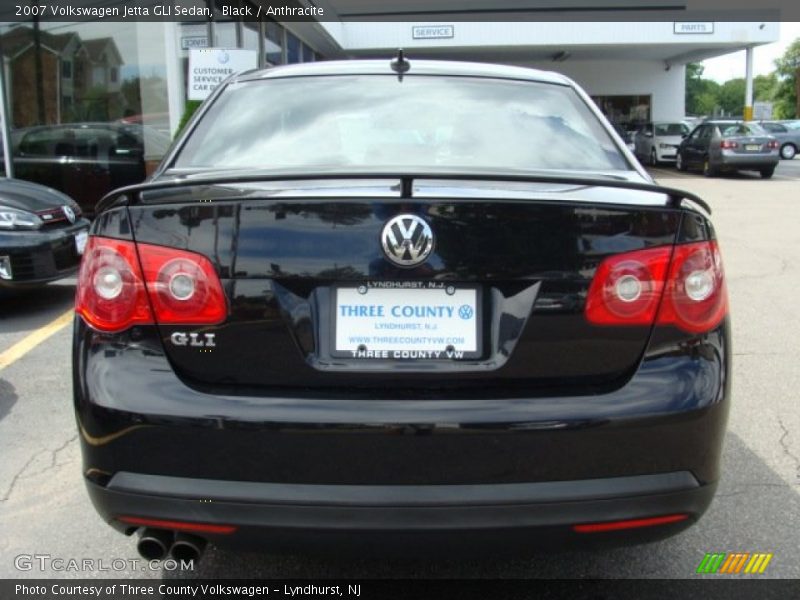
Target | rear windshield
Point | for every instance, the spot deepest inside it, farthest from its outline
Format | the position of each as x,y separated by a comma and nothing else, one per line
366,121
671,129
741,129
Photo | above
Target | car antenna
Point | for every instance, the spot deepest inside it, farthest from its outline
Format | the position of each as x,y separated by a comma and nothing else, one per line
400,65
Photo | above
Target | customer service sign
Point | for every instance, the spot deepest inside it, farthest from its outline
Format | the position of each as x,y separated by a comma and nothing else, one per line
208,67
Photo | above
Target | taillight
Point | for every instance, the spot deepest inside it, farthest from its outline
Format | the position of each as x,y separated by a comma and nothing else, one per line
773,145
627,288
111,295
695,299
172,286
728,145
183,286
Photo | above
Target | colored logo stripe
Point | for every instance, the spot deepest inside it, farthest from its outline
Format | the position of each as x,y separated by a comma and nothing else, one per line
734,563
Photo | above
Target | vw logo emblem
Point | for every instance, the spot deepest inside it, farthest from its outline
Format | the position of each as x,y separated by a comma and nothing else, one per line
69,213
407,240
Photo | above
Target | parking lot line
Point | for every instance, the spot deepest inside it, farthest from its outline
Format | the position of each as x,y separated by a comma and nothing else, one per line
35,338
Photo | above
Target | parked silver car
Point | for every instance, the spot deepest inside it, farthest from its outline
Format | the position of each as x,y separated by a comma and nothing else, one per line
658,142
788,136
717,146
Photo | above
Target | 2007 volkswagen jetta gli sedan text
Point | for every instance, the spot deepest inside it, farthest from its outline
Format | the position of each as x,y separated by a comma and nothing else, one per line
398,302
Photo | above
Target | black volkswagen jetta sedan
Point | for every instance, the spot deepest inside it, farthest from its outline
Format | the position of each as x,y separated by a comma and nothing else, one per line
384,302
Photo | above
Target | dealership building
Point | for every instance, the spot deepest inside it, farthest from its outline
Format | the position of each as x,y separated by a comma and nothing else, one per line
67,72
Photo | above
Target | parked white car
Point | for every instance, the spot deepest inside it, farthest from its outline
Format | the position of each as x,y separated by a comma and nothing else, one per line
658,142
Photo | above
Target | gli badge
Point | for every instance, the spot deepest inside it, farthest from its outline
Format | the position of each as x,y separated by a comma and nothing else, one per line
195,340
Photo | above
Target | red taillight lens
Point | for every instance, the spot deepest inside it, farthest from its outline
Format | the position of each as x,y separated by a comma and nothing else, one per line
628,524
179,525
111,295
172,286
183,286
773,145
627,287
696,299
728,145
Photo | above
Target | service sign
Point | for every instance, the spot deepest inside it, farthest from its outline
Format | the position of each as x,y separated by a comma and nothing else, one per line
432,32
401,324
208,67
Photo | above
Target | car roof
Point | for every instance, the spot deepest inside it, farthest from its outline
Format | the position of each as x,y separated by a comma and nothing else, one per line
417,67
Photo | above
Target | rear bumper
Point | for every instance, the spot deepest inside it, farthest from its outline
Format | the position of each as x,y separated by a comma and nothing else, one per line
283,514
749,161
281,466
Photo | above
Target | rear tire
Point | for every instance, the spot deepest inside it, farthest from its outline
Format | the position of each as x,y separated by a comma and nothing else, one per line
788,151
708,170
653,158
767,173
679,164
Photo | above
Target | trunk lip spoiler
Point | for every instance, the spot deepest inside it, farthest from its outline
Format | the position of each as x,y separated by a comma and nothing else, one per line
675,197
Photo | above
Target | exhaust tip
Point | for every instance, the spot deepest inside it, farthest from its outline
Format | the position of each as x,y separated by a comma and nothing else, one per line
187,547
153,544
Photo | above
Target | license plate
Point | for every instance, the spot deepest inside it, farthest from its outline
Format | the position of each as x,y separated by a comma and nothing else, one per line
752,147
80,241
440,323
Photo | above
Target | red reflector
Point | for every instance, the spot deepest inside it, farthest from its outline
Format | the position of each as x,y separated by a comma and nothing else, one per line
628,524
179,525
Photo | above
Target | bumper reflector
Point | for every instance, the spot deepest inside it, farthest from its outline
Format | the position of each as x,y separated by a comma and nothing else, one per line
628,524
179,525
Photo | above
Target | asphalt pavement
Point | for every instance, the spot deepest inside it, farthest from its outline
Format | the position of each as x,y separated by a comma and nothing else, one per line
44,509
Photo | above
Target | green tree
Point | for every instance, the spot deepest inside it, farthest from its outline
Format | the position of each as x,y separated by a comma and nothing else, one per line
731,97
786,96
764,87
701,94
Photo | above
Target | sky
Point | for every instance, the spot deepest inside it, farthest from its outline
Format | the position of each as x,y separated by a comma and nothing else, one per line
723,68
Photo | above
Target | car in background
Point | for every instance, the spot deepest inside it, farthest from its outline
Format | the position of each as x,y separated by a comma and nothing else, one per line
158,121
358,305
85,160
787,136
721,145
658,142
42,234
626,132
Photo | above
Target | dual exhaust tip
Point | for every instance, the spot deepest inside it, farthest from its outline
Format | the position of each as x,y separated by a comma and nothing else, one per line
156,544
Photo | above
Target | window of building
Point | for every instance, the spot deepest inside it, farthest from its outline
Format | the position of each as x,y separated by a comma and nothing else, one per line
273,44
293,48
66,69
113,75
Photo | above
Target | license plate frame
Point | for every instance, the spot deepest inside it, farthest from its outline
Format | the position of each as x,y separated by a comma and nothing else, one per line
752,147
408,294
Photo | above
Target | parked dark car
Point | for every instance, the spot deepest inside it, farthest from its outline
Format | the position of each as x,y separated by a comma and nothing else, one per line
85,160
788,137
42,234
380,303
718,146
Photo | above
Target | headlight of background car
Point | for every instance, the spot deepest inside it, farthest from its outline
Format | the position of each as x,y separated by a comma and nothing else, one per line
666,146
13,218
